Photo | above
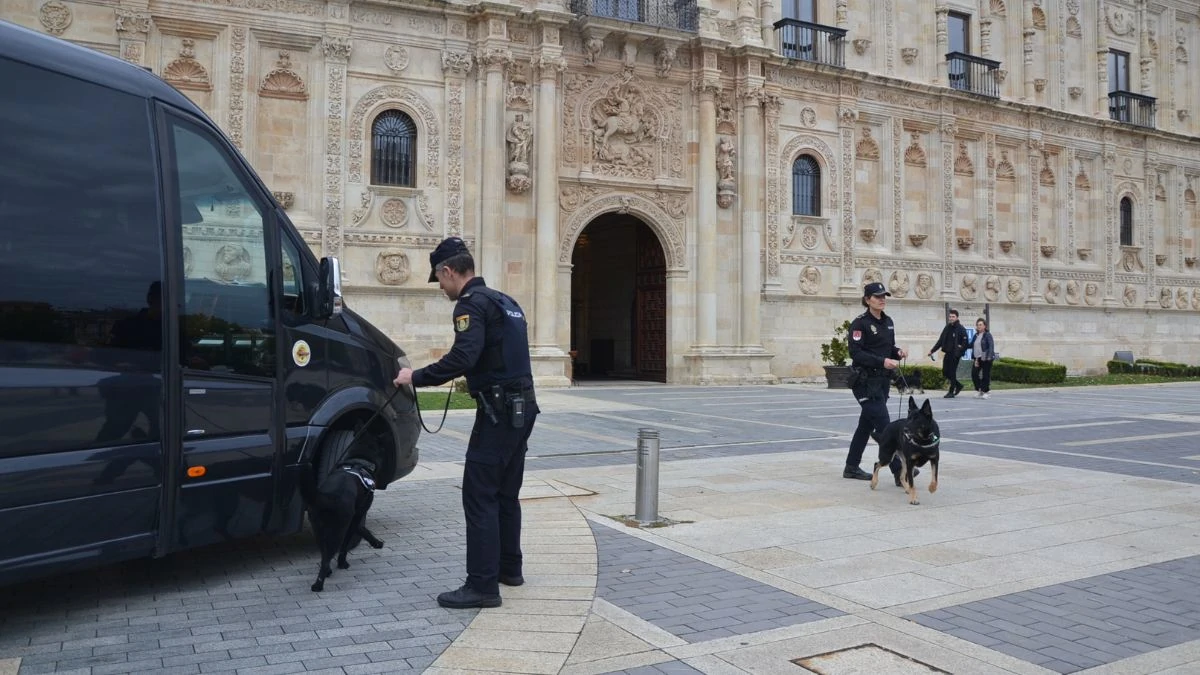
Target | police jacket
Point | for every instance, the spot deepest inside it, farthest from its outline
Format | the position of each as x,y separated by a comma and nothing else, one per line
491,343
871,341
952,341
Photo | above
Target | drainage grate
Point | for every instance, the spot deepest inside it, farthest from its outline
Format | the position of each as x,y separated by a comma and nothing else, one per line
867,658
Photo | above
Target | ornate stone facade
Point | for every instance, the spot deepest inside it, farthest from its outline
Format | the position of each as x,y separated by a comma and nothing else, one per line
531,123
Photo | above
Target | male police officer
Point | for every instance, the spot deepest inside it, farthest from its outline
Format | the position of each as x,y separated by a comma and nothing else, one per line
491,347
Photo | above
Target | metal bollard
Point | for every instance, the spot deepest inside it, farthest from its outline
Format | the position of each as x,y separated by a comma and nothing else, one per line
647,476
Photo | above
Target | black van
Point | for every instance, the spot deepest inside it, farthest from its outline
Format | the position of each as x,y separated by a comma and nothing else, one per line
172,356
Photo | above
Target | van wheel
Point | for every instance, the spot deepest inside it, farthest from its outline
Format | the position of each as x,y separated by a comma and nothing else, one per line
333,452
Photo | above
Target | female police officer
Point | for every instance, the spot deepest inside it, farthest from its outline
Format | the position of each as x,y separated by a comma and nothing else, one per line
491,347
875,356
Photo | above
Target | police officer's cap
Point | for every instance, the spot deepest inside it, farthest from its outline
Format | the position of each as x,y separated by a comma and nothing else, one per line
875,288
446,250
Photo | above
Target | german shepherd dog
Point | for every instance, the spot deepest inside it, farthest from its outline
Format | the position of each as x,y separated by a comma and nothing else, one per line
338,505
916,439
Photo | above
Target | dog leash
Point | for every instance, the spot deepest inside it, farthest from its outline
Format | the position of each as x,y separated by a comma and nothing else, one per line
900,399
417,399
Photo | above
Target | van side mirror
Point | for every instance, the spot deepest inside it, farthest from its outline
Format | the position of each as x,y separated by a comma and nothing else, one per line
329,293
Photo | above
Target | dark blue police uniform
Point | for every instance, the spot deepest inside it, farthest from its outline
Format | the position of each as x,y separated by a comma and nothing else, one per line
491,348
871,341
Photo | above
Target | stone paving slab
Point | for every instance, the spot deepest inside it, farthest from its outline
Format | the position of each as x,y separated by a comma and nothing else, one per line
688,598
1085,623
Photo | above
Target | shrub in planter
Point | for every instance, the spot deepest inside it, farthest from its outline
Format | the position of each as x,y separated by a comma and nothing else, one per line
1115,367
1028,372
836,354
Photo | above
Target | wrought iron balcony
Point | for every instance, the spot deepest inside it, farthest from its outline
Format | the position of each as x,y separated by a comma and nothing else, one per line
811,42
972,73
1126,106
674,14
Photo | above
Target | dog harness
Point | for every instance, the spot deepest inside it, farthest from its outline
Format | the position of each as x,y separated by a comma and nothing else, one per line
933,443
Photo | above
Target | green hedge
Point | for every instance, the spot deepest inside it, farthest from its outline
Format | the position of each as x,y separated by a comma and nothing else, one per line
931,376
1118,367
1164,368
1028,372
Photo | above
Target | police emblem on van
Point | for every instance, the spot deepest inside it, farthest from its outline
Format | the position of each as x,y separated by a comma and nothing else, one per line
301,354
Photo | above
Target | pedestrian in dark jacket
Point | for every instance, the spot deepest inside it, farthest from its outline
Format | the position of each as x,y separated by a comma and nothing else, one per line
953,343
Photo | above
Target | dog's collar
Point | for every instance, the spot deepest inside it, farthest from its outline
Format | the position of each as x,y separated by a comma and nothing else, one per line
930,444
361,475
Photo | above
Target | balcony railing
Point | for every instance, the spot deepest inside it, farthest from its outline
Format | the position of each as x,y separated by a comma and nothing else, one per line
972,73
1126,106
675,14
811,42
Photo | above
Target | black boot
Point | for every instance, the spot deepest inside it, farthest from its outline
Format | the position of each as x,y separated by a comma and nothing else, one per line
467,597
856,473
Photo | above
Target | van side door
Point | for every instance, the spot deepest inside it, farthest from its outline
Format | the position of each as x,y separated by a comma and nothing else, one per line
227,336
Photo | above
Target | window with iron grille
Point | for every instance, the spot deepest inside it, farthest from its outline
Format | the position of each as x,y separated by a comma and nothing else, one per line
1126,221
393,149
806,186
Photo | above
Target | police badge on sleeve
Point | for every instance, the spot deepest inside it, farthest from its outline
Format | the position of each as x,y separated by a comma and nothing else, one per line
462,322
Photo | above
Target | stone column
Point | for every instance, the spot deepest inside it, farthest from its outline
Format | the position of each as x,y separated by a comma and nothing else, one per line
752,215
456,65
1035,200
550,64
490,245
133,27
1101,62
706,217
942,14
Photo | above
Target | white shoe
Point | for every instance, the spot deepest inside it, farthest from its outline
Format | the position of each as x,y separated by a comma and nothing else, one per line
986,395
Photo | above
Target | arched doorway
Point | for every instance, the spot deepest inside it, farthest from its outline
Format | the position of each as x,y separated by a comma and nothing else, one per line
618,301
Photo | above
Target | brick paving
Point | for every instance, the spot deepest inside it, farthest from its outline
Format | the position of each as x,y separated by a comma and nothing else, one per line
1084,623
691,599
246,606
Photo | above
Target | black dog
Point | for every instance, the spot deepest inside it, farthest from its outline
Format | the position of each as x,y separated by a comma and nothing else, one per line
338,506
916,439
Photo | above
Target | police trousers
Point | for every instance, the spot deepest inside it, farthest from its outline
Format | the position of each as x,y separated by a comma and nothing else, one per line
492,478
872,397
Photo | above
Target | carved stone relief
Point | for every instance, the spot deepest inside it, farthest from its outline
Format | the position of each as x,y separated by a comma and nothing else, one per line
991,288
232,263
55,17
282,81
1016,290
1053,288
1091,293
394,213
1130,296
866,148
392,267
925,285
810,280
726,183
969,290
962,162
914,154
1181,298
872,275
185,72
395,58
808,117
519,95
618,126
520,139
1165,298
898,284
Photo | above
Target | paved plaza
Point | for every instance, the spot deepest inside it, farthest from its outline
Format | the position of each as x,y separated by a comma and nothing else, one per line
1064,537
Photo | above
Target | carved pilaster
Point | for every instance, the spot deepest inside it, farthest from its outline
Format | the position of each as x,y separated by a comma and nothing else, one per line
1035,271
237,85
337,56
943,42
1110,222
990,142
772,107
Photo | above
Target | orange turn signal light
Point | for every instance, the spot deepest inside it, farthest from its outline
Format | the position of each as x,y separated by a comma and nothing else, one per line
196,471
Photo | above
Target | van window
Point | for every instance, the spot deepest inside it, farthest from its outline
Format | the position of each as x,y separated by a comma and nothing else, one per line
80,262
227,324
294,300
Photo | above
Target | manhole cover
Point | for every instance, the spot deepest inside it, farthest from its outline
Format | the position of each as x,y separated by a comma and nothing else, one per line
867,659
